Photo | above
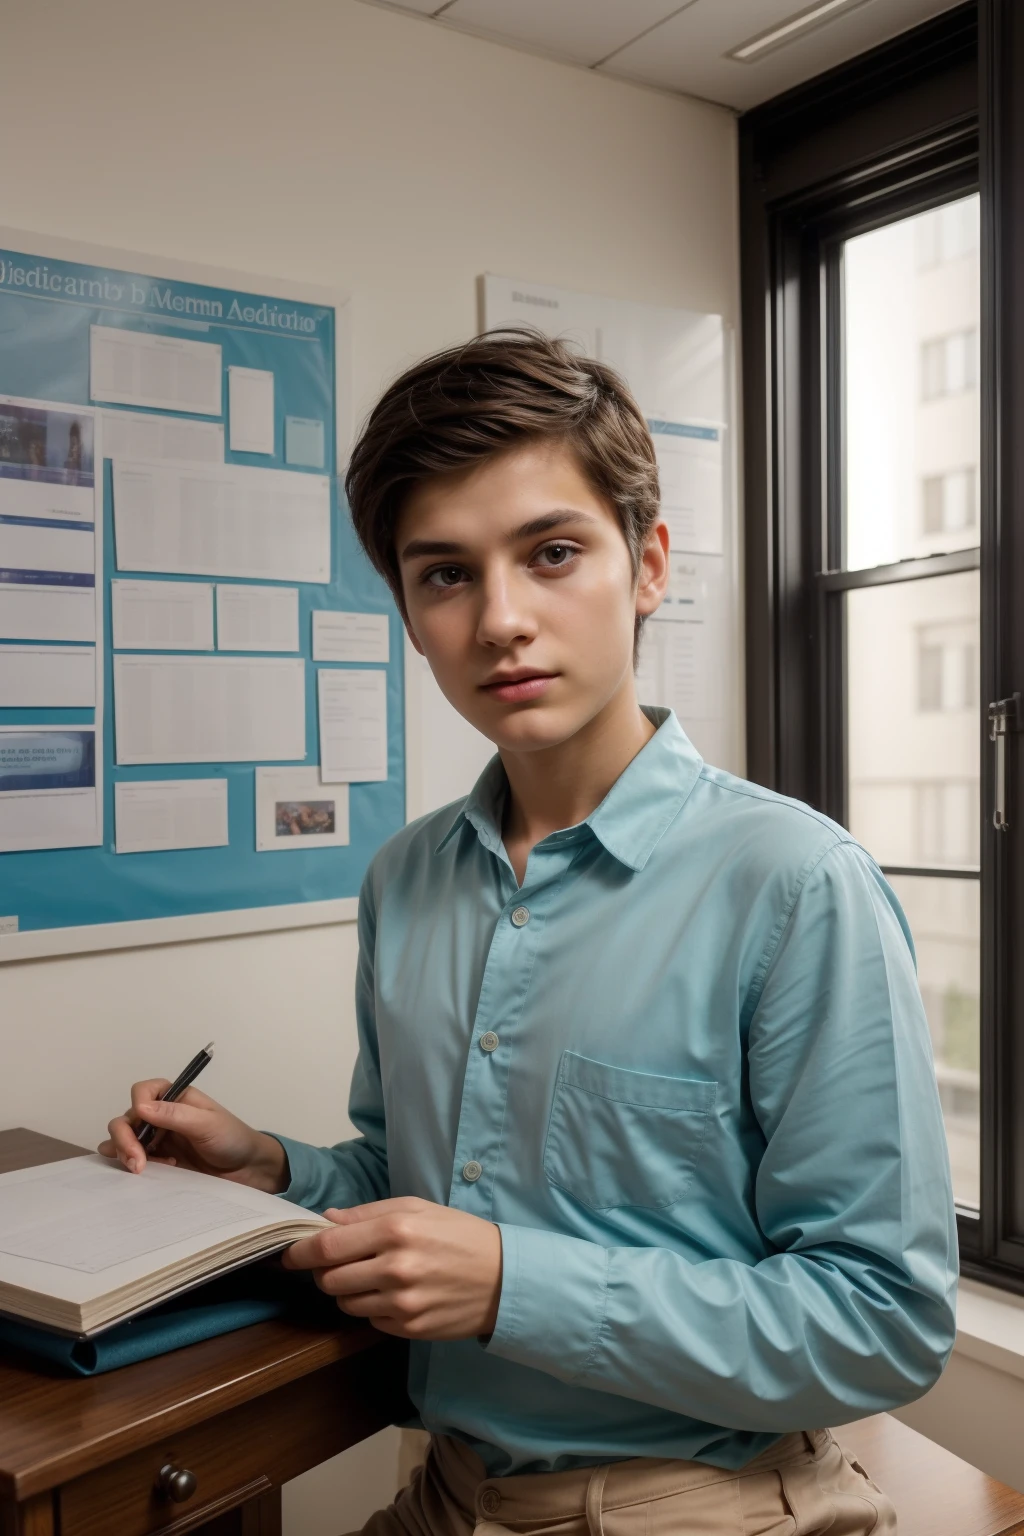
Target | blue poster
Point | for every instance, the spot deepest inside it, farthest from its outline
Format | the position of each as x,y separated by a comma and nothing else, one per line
49,475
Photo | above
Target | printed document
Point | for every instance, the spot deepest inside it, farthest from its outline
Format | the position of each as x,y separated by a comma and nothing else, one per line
209,709
257,618
251,410
296,810
222,520
141,435
47,677
690,470
349,636
353,725
47,613
166,373
162,615
152,815
47,455
50,788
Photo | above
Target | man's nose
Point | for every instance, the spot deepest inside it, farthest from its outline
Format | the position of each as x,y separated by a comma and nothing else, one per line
505,614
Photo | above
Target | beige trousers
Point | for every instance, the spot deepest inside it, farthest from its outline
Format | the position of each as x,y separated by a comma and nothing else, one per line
801,1486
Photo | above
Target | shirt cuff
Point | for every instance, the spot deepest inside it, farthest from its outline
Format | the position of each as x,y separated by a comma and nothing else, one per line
553,1295
305,1171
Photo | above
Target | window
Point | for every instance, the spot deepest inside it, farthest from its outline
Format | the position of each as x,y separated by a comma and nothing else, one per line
948,233
949,501
949,364
883,389
947,659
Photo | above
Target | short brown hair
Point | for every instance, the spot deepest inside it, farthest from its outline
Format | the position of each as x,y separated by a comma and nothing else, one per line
460,407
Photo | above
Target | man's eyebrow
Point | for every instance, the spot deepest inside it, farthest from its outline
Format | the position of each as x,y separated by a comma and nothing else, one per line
537,525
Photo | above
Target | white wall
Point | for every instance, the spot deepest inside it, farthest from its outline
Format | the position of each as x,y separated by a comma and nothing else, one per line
331,143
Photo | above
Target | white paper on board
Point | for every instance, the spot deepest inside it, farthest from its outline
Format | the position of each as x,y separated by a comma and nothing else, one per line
209,709
349,636
251,410
222,520
50,788
162,615
154,815
257,618
353,725
691,475
165,373
47,460
142,435
296,811
47,613
61,550
683,648
47,676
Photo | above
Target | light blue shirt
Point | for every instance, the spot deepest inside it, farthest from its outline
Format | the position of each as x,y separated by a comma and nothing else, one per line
686,1069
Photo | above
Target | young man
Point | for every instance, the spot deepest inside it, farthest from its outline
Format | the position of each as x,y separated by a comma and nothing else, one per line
652,1169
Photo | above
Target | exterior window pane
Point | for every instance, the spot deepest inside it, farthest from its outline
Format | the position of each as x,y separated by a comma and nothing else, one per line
912,302
912,726
944,920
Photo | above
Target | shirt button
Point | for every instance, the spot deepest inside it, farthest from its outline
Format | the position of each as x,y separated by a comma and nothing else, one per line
471,1171
489,1041
520,917
490,1501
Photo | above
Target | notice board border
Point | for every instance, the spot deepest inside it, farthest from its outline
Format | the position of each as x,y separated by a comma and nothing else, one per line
43,943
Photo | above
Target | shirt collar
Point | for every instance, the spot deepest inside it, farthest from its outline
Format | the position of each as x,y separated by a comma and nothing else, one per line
635,813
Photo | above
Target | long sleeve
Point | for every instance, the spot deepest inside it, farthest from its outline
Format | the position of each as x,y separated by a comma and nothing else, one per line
356,1171
851,1311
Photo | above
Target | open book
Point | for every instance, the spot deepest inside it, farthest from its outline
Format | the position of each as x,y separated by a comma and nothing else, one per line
85,1245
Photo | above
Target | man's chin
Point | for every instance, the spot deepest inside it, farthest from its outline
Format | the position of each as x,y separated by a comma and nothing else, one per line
529,729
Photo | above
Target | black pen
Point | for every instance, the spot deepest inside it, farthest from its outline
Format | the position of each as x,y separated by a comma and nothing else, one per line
175,1091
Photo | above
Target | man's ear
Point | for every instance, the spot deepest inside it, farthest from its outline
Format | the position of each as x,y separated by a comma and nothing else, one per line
653,582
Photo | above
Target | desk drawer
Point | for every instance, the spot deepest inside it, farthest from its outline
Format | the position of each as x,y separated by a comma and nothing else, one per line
233,1457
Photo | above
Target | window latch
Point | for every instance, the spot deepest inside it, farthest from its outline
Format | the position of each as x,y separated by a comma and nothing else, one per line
1004,716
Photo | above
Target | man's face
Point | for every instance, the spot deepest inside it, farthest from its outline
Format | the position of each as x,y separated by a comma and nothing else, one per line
520,594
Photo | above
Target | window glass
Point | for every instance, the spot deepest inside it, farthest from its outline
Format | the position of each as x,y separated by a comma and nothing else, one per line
944,920
913,729
912,421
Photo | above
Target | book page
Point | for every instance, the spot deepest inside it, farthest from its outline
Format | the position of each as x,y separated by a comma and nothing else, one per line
84,1227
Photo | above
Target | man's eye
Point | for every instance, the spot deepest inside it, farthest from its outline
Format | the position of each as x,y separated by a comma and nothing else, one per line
445,576
557,554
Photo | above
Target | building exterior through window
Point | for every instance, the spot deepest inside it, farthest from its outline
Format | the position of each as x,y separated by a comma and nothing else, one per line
911,436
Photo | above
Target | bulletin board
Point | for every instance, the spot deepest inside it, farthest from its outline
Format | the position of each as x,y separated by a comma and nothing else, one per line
50,309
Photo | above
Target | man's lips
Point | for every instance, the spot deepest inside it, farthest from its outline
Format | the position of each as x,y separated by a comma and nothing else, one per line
519,686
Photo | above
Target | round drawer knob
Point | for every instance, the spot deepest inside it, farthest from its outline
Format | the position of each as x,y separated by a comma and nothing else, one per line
176,1483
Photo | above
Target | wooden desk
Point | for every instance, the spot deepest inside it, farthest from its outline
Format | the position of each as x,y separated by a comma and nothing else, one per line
248,1411
243,1413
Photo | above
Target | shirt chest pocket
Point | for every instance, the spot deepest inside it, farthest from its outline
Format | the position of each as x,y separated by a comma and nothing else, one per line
617,1137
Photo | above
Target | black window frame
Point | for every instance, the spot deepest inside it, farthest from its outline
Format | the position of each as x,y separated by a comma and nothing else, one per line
927,117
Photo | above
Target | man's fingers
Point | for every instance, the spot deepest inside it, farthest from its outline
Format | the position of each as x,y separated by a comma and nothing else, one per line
354,1279
181,1116
401,1205
369,1304
151,1089
335,1245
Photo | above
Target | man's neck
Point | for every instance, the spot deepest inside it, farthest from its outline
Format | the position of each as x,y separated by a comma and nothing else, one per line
560,787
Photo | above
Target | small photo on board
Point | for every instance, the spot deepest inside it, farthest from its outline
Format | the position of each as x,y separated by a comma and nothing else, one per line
294,811
304,818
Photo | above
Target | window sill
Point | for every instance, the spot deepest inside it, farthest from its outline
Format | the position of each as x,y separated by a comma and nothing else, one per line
990,1328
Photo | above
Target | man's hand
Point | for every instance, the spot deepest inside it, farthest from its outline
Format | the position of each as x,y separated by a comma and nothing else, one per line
198,1133
415,1269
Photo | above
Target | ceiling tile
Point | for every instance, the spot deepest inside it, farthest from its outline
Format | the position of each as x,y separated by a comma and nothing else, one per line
686,53
582,31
